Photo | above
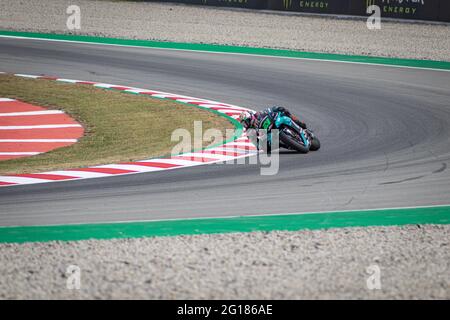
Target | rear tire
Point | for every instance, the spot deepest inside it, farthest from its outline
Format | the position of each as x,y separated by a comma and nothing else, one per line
291,142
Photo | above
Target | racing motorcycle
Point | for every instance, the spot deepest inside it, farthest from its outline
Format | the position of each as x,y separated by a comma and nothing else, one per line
291,135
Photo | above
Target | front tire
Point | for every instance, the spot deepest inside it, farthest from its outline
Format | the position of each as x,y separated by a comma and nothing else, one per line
315,144
292,142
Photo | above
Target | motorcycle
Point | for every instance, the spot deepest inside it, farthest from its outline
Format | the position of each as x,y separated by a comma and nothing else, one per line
291,135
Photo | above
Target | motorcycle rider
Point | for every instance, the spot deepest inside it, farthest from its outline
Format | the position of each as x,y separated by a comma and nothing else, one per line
251,120
254,120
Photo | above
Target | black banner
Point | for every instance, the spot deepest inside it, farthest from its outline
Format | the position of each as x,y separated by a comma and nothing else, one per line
444,11
232,309
400,9
433,10
249,4
311,6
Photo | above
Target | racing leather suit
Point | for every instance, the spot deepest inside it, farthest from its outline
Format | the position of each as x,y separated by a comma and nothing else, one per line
260,116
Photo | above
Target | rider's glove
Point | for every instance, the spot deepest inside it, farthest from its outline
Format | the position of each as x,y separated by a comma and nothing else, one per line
297,121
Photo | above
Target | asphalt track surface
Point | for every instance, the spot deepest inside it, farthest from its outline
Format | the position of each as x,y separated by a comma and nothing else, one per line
384,132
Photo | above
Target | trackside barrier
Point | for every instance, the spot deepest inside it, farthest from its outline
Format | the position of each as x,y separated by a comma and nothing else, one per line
249,4
431,10
323,6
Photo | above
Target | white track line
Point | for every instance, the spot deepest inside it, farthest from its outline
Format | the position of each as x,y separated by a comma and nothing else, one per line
219,157
223,106
77,174
26,76
68,80
30,113
104,85
179,162
191,101
229,111
229,149
129,167
241,143
38,140
44,126
19,153
21,180
135,90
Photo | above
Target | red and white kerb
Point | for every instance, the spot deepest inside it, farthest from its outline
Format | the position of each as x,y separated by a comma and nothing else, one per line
39,131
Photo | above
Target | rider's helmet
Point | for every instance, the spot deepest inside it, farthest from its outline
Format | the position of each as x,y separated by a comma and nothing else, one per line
248,119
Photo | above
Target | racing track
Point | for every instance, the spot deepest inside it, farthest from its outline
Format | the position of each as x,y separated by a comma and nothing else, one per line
384,132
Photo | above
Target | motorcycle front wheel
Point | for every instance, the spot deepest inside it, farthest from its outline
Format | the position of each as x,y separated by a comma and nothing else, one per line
315,144
291,141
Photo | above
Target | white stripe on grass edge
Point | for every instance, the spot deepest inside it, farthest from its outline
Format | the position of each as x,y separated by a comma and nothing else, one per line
77,174
26,76
130,167
38,140
21,180
30,113
19,153
44,126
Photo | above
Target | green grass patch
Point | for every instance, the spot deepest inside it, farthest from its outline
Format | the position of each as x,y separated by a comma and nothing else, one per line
118,126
